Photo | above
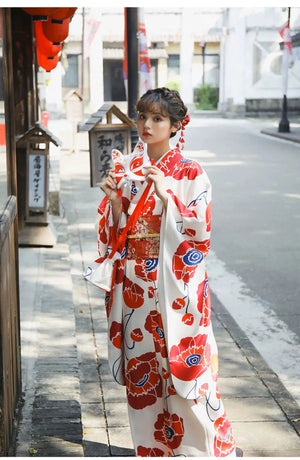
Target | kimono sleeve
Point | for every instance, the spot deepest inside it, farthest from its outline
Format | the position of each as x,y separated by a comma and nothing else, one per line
105,228
189,205
182,282
107,233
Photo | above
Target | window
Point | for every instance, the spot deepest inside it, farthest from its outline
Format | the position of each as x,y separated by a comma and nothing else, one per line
154,73
210,72
173,66
70,79
114,88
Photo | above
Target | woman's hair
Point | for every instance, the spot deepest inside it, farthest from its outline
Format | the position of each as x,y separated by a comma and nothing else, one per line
168,100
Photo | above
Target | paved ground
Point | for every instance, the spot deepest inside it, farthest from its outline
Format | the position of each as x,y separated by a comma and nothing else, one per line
72,407
254,262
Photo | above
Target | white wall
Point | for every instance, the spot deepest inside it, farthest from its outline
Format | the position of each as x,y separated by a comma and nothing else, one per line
186,58
53,89
253,33
96,65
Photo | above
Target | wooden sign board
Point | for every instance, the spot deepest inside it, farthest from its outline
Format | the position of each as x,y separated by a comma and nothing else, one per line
102,141
36,181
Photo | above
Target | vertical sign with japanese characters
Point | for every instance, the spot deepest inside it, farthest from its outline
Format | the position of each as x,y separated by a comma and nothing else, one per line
102,143
36,186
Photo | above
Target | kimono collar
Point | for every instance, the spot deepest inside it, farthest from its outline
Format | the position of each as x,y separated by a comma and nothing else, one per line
168,160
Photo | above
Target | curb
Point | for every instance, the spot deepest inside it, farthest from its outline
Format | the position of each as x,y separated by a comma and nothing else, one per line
293,136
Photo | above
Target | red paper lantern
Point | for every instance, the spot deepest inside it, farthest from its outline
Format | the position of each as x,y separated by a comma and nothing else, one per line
43,44
48,63
40,13
63,13
54,31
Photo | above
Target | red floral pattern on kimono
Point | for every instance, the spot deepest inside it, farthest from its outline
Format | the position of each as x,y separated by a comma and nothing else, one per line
148,452
169,429
161,343
143,381
190,358
223,444
154,325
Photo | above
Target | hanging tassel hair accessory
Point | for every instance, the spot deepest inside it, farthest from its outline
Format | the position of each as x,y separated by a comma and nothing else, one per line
180,143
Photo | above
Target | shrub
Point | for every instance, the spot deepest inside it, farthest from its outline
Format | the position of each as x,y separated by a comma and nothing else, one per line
206,97
173,84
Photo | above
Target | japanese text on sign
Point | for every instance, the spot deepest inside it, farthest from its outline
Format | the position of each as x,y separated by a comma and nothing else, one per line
102,145
36,186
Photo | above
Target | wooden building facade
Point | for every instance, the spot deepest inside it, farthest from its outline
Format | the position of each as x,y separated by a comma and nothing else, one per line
19,112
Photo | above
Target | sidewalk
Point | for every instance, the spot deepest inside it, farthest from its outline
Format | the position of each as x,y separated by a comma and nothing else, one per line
293,135
72,406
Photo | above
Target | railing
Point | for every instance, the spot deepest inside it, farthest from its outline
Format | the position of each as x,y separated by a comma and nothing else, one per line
10,359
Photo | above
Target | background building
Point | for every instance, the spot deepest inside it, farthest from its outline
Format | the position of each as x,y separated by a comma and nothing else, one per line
234,50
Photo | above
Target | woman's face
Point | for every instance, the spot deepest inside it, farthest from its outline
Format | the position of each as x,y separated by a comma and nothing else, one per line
154,127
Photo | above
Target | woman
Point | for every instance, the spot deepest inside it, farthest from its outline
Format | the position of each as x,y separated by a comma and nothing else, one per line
161,343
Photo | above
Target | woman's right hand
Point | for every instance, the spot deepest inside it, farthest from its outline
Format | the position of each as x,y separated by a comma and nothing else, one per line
109,186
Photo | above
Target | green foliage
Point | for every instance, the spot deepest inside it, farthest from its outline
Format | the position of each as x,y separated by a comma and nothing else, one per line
206,97
173,84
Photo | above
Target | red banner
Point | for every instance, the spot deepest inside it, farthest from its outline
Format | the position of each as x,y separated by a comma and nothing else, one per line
91,26
285,33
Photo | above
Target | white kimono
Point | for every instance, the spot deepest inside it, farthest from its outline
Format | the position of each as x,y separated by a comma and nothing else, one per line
161,343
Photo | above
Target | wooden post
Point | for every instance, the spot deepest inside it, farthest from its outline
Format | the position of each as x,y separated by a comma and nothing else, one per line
10,360
131,18
9,102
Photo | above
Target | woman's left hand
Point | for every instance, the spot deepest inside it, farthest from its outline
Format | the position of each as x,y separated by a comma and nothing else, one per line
153,173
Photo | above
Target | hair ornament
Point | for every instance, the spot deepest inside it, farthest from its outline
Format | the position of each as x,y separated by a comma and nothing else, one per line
185,121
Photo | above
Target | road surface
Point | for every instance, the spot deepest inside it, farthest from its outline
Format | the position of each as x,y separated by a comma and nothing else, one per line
254,264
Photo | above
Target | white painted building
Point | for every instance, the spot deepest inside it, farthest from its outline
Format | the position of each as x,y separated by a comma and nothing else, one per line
251,70
240,48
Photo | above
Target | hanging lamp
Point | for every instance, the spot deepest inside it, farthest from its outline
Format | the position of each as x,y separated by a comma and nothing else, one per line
47,63
40,14
44,45
56,30
63,13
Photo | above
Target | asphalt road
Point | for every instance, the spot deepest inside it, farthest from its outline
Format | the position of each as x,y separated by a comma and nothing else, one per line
256,226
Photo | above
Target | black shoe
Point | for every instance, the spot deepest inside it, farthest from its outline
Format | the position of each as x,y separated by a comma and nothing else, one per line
239,452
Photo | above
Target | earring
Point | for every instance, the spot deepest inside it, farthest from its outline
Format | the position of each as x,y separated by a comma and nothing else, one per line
180,143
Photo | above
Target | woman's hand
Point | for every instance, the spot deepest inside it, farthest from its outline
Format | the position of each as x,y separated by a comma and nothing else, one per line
109,187
153,173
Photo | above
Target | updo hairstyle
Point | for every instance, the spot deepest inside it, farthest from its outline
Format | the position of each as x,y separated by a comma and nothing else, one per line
169,102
